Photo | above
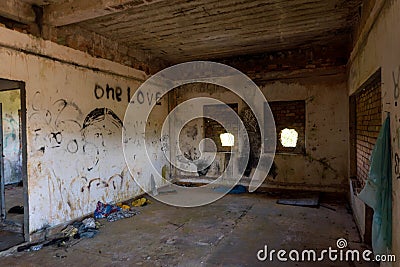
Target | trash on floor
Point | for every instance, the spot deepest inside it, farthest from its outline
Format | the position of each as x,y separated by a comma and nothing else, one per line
123,206
116,212
103,210
89,223
16,210
87,228
303,200
39,245
140,202
237,189
122,214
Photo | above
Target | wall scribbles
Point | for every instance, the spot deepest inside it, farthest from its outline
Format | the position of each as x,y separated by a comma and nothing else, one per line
396,80
63,134
396,94
116,93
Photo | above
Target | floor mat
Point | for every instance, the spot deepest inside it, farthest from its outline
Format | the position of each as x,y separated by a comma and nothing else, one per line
304,200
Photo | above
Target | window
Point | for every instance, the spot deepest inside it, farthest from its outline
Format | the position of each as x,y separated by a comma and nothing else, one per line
288,137
290,125
214,130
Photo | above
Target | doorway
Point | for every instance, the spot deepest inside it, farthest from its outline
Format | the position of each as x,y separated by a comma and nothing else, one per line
13,182
365,123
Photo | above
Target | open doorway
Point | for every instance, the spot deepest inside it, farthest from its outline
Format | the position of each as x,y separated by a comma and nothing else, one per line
13,185
365,108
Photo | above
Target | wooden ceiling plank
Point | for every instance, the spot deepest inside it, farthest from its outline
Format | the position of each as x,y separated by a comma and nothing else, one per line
17,10
227,11
297,22
268,23
74,11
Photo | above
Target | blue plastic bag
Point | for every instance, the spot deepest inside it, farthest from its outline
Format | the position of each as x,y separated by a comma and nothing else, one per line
377,192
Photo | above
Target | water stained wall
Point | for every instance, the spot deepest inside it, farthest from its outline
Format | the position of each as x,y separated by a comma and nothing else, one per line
379,49
322,163
75,111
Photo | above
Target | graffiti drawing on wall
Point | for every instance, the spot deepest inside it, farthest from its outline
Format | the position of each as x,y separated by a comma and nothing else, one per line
396,79
396,165
12,149
396,94
116,93
96,169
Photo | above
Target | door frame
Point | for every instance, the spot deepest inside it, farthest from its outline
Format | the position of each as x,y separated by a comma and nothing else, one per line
24,157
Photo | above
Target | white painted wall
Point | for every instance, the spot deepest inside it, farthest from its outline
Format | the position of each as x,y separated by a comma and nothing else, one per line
73,130
381,50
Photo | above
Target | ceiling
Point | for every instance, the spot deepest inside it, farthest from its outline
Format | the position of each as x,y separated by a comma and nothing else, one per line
181,30
43,2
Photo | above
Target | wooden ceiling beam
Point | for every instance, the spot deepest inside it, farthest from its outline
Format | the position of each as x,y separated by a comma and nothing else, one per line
17,11
66,13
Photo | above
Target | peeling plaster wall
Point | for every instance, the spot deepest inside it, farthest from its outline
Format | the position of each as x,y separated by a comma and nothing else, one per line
11,136
380,49
193,132
324,165
75,108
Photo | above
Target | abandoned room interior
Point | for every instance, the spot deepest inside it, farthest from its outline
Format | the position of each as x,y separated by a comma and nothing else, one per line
76,138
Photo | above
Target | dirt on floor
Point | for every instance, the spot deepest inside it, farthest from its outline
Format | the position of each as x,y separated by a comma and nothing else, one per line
229,232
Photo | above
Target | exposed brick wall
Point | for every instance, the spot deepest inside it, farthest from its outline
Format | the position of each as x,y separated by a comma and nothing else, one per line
368,124
99,46
289,114
213,129
92,43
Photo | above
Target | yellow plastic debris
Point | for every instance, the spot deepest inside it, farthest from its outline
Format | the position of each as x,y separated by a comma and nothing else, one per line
123,206
140,202
70,231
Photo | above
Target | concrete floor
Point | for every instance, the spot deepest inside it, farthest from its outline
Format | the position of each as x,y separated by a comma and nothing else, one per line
14,196
11,230
228,232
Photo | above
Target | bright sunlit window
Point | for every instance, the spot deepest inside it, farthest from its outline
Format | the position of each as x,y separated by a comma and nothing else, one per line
227,139
289,137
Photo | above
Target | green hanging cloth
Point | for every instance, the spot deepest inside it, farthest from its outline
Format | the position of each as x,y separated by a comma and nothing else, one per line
377,192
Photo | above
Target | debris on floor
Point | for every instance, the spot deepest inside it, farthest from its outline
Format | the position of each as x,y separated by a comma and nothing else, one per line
103,210
122,214
123,206
116,212
140,202
16,210
237,189
89,227
39,245
309,200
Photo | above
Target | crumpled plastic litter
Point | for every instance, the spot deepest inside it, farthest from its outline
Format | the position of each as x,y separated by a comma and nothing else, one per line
70,231
140,202
123,206
103,210
84,231
36,248
89,223
122,214
87,228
